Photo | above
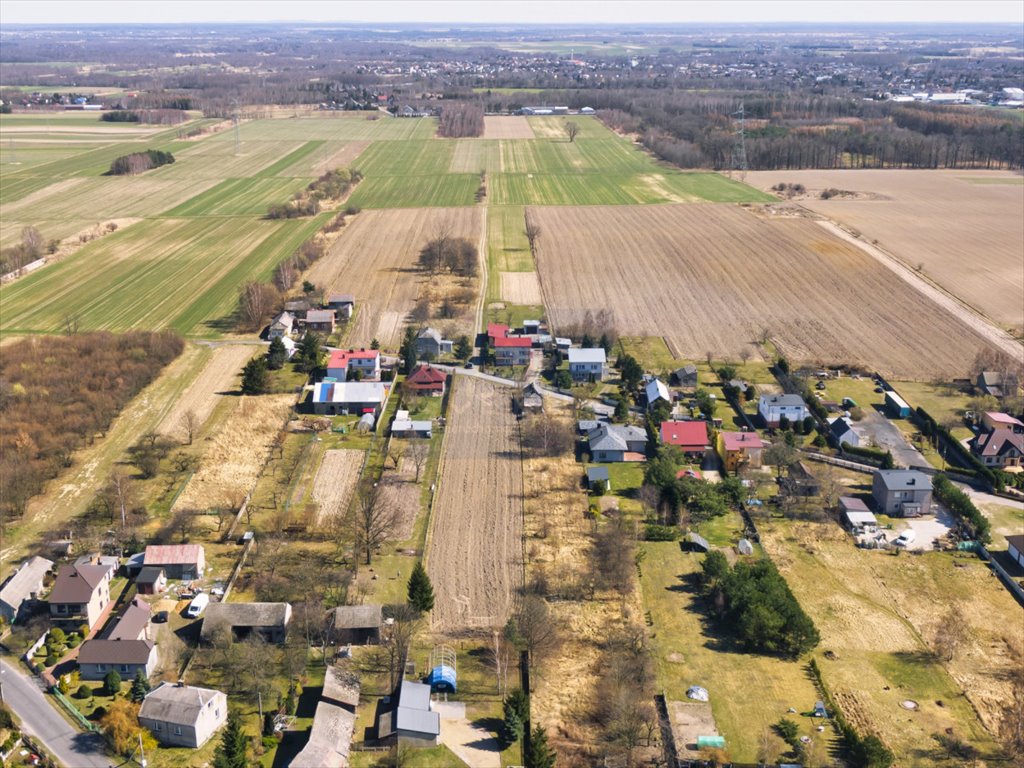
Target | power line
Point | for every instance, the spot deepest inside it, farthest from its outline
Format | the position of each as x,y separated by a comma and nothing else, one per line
739,149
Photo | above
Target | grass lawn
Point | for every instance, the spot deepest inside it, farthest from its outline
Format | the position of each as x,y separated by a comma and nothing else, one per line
512,315
943,403
625,477
688,651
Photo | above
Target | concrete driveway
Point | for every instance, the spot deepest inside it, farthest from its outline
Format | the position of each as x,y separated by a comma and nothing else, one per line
474,745
887,437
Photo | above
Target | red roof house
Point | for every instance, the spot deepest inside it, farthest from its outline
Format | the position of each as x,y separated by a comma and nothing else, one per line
425,380
366,361
690,436
179,561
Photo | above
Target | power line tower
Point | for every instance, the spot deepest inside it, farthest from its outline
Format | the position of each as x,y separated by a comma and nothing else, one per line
236,120
739,148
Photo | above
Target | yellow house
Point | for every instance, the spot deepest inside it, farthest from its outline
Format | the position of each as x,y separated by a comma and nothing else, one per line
740,449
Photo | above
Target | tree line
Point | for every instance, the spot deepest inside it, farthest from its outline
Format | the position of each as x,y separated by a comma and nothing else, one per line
461,119
333,185
139,162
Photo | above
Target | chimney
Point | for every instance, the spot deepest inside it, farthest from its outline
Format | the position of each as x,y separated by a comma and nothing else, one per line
912,481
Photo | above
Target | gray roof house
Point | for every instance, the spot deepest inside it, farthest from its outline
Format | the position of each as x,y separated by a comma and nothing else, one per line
282,325
183,715
412,720
685,376
902,492
841,429
357,624
270,620
430,344
23,587
615,442
589,364
655,391
330,739
995,384
773,407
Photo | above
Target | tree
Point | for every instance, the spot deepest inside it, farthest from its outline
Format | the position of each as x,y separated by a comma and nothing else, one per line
421,591
706,403
120,494
516,711
808,424
630,372
572,130
784,423
256,302
621,412
539,754
781,455
532,231
277,355
950,634
409,357
255,378
308,287
121,726
310,353
232,750
532,628
398,635
887,461
190,424
463,348
140,687
418,452
374,518
111,683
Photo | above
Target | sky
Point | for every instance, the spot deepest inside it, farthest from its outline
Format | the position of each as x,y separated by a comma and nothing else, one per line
509,11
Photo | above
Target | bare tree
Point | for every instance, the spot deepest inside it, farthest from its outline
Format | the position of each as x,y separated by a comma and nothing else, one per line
395,451
190,424
256,302
374,518
572,130
533,627
501,656
950,634
533,231
769,748
32,242
398,635
119,493
418,452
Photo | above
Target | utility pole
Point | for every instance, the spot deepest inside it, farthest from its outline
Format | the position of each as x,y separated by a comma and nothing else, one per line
739,150
236,119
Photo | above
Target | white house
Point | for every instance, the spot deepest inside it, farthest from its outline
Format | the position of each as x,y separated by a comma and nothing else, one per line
183,715
657,390
842,430
282,326
773,407
588,364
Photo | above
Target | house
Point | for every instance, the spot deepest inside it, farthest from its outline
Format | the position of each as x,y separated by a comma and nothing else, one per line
993,420
23,588
689,436
508,350
342,304
800,481
431,345
656,392
183,715
997,384
902,492
134,622
357,624
425,380
773,407
349,398
403,426
841,430
588,364
282,326
740,386
97,658
345,364
585,426
411,721
684,377
999,448
597,475
152,580
533,400
615,443
334,722
269,620
298,308
895,406
740,449
857,515
179,561
320,321
531,327
1015,548
79,594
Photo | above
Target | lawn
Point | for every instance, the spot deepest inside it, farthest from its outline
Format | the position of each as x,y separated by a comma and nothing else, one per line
651,352
512,315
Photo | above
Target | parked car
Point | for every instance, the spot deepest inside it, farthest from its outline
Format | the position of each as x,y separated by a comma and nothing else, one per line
468,365
197,606
160,617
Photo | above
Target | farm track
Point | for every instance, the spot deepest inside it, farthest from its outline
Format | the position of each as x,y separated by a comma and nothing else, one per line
718,277
475,557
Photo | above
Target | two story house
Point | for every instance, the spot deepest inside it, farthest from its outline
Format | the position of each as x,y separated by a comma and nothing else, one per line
902,492
740,449
183,715
430,344
1000,444
79,595
588,364
343,364
773,407
508,350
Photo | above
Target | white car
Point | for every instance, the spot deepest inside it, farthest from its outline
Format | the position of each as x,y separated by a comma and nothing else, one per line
197,606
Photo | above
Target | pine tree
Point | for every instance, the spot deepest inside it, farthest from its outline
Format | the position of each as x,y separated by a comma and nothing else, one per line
140,686
539,755
516,709
277,355
463,349
255,380
309,355
232,750
421,591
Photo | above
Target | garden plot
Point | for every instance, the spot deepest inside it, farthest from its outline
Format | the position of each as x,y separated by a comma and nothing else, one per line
335,481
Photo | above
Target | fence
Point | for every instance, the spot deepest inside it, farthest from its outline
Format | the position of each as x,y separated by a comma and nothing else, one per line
1015,588
70,708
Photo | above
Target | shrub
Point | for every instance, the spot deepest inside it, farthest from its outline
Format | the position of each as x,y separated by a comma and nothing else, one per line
83,692
653,532
51,659
56,637
111,684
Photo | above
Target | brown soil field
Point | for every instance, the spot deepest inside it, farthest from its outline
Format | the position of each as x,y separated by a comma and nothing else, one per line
218,378
342,158
475,557
375,259
334,483
235,455
507,127
402,492
961,227
717,277
520,288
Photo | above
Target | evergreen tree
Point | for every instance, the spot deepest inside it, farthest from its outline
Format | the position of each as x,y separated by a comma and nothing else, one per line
277,355
606,342
421,591
516,709
140,687
887,461
255,380
630,371
231,753
375,344
539,755
310,353
111,683
463,349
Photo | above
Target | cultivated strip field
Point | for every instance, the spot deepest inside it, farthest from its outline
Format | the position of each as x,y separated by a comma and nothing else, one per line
507,127
334,483
718,277
475,559
962,227
520,288
375,258
217,380
402,492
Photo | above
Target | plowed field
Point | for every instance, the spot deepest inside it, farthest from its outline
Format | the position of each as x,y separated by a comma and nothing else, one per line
334,483
716,277
375,259
475,559
507,127
520,288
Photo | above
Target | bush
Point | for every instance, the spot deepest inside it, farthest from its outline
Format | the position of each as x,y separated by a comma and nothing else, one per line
960,504
111,684
51,659
56,637
83,692
74,640
653,532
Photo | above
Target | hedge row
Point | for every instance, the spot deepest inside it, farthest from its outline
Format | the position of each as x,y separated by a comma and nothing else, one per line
882,458
864,751
960,504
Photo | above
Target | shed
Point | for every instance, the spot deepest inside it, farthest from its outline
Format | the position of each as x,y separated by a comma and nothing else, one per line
597,475
357,624
896,406
710,742
819,709
697,543
151,580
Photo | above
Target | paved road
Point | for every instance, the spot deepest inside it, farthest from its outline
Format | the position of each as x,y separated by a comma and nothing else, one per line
70,746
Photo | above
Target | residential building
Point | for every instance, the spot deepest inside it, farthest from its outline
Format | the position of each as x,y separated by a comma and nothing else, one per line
533,400
689,436
425,380
134,622
330,737
79,594
411,721
997,384
616,443
508,350
152,580
403,426
431,345
902,492
356,624
183,715
23,588
685,376
282,326
1000,448
268,620
179,561
342,303
589,364
343,364
993,420
656,392
320,321
1015,548
841,429
773,407
97,658
349,398
740,449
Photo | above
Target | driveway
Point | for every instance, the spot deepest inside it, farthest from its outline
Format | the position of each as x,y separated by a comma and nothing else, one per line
474,745
887,437
70,746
